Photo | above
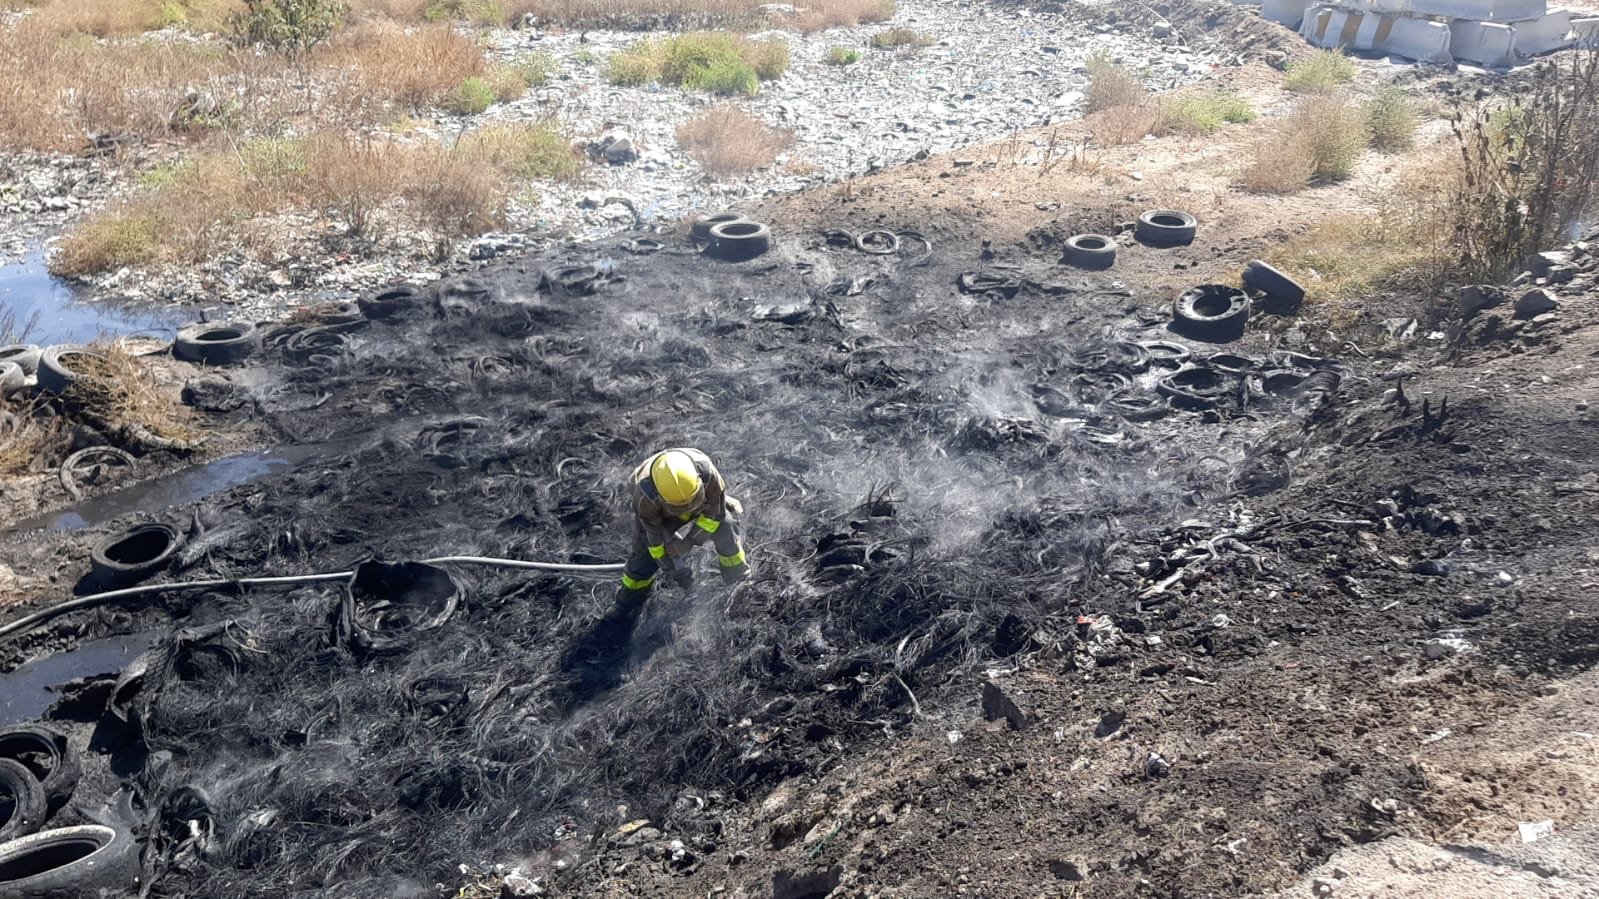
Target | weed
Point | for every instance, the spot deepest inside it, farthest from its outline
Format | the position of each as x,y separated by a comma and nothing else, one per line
842,56
688,56
106,241
902,39
418,67
585,57
352,178
453,196
635,14
1322,71
536,69
1120,125
1528,167
640,63
1319,140
727,140
1202,113
30,433
1111,85
477,12
1392,119
724,76
539,151
769,58
290,27
471,97
820,15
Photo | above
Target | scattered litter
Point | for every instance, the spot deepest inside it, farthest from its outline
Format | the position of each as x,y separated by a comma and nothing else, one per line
1536,830
954,737
1435,736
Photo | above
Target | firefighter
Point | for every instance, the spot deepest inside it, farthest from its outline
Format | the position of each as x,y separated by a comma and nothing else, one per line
679,501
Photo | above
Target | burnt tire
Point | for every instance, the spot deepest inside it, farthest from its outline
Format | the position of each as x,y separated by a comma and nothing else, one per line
877,243
1130,405
133,555
701,229
1166,353
216,343
1282,294
408,599
69,862
25,355
1095,252
1166,228
62,366
389,301
22,803
1195,387
1211,312
46,754
12,378
739,241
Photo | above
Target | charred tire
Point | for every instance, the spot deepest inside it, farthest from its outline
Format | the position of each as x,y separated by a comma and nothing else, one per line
1166,228
410,598
1211,312
389,301
1232,363
1193,388
221,343
25,355
1091,251
12,378
1166,353
47,755
69,862
701,230
134,554
739,241
1282,293
1130,405
27,808
61,366
877,243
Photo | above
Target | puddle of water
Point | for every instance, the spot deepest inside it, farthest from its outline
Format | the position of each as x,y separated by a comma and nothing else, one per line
29,691
176,489
45,310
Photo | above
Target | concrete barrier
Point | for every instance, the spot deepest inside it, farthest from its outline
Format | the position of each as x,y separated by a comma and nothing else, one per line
1585,32
1543,35
1329,26
1285,12
1418,39
1484,43
1487,10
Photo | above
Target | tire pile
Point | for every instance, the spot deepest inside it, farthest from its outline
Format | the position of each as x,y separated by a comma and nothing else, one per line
928,474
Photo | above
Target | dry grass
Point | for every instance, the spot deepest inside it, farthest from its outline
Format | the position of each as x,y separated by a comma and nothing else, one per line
1320,140
727,140
820,15
633,14
1121,125
1404,241
415,68
26,437
902,39
224,198
124,392
1111,85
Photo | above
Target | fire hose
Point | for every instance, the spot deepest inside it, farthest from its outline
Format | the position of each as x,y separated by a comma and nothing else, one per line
28,622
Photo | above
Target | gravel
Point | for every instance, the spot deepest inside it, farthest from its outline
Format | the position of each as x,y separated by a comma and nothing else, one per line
992,72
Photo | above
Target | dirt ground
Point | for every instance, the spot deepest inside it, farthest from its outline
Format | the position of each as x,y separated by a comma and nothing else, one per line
998,644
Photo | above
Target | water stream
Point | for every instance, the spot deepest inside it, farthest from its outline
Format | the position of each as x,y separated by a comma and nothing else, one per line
36,307
29,691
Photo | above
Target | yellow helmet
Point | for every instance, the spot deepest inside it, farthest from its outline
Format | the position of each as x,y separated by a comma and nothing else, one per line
676,479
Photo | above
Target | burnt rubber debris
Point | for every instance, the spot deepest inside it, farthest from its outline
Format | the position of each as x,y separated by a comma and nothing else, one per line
941,458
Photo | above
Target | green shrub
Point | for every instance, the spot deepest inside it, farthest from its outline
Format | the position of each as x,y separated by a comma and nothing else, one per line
471,97
724,76
842,56
696,51
1202,113
290,27
538,151
1334,131
478,12
1321,71
638,64
1392,119
898,38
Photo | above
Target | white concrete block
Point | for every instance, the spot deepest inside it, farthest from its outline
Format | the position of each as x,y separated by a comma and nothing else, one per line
1482,10
1314,28
1366,34
1543,35
1418,39
1286,12
1484,43
1585,32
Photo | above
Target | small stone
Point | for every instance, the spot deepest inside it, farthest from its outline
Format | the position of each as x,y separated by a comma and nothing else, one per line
1436,651
964,163
1475,298
1535,302
1322,886
515,886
